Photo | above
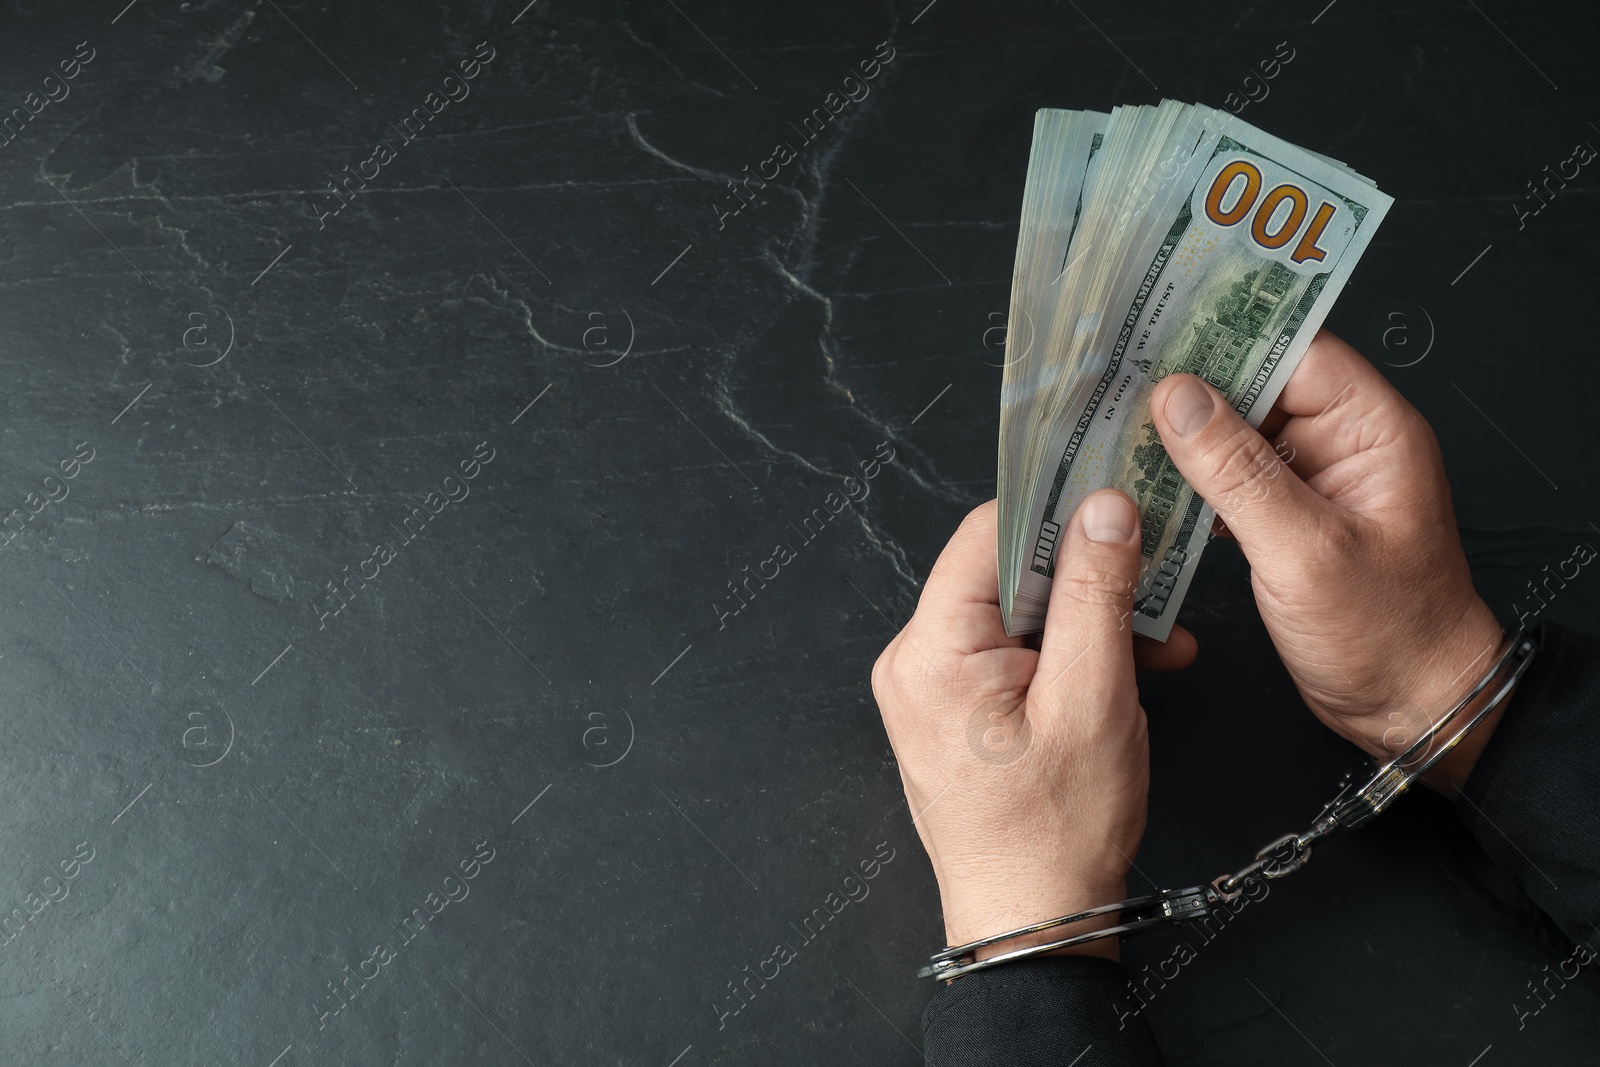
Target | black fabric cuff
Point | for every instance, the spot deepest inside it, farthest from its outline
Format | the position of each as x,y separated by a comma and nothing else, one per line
1044,1011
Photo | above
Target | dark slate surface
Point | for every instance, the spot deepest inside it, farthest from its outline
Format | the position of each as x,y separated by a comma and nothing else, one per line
269,780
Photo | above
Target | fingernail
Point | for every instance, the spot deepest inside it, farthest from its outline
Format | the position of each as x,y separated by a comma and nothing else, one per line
1189,407
1109,517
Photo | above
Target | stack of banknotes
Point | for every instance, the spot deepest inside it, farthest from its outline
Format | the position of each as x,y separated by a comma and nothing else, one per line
1155,239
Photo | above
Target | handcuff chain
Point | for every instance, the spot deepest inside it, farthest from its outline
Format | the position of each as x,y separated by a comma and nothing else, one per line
1284,856
1388,782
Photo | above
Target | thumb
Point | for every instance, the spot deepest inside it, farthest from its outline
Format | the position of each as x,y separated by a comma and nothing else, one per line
1087,635
1232,466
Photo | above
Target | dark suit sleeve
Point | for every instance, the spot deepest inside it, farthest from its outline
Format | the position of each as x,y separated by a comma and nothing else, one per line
1048,1012
1533,800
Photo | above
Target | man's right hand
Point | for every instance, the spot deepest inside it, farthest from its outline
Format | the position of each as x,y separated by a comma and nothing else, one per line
1340,504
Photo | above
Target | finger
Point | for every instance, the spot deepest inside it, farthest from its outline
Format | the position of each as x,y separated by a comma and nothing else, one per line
1279,413
1091,597
1274,423
1323,379
1339,405
959,609
1232,466
1177,652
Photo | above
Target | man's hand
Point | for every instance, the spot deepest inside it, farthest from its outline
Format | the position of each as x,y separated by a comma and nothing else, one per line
1341,506
1026,771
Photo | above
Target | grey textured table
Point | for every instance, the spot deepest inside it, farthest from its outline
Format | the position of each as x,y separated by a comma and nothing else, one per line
376,686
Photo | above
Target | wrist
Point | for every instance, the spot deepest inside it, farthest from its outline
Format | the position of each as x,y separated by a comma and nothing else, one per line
1446,669
1451,773
973,917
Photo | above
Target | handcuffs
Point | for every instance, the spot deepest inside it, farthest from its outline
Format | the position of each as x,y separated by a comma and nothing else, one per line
1283,856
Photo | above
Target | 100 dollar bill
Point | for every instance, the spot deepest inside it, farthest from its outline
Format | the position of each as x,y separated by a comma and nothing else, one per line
1232,290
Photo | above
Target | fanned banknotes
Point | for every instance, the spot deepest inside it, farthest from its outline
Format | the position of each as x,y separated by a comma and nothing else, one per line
1154,240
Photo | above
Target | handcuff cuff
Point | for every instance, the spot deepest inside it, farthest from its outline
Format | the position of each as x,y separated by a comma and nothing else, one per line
1283,856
